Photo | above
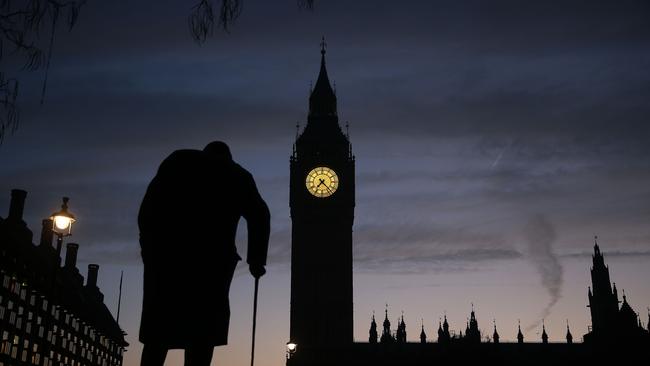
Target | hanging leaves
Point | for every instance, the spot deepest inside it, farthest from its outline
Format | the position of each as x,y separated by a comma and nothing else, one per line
202,20
23,25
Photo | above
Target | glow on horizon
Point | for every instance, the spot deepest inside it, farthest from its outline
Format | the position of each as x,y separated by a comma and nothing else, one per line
505,291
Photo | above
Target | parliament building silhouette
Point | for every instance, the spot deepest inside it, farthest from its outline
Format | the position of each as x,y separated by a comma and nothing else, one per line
322,201
48,316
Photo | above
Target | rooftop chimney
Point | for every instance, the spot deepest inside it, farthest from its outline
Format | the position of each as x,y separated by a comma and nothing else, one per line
17,204
71,255
47,235
93,269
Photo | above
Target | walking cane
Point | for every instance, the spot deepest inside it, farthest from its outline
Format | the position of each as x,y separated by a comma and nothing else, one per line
257,282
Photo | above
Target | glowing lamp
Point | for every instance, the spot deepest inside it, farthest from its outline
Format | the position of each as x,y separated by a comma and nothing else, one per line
63,220
291,349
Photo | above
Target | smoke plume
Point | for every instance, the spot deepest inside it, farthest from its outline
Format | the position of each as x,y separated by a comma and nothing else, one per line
540,235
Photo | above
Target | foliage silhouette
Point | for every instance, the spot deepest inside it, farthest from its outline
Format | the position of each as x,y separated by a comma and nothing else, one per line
22,25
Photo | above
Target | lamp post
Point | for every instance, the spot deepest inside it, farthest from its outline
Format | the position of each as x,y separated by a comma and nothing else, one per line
62,227
291,349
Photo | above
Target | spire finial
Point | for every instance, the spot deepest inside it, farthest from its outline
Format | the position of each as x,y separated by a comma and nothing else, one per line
323,46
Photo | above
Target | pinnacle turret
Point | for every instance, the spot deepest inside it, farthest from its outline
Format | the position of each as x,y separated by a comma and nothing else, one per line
569,336
423,335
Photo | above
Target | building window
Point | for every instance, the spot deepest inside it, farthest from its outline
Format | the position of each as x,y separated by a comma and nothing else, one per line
5,345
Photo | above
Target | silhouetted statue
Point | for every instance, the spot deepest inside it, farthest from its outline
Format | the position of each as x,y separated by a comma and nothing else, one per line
188,222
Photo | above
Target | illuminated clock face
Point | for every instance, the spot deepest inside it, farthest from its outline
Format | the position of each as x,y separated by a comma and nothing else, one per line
322,182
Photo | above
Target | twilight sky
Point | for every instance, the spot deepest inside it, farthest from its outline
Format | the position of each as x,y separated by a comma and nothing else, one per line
493,141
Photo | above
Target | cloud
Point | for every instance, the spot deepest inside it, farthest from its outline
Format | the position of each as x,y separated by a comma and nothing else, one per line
445,261
611,253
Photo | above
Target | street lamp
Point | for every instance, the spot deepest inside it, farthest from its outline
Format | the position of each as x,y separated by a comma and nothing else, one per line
62,227
291,349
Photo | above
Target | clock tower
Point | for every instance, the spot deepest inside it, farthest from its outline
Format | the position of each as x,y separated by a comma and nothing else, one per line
322,212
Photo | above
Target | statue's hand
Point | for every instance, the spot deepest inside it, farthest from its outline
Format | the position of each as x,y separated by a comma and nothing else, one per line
257,270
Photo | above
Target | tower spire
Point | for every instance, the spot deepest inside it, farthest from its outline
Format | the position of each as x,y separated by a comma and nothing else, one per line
322,102
323,47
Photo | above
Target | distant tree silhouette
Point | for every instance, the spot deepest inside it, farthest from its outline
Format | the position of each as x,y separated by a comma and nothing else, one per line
202,19
22,25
